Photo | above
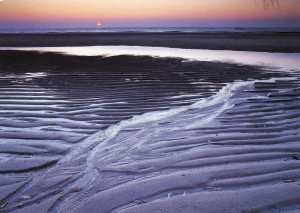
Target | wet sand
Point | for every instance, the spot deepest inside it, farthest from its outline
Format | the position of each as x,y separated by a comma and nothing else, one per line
142,134
262,42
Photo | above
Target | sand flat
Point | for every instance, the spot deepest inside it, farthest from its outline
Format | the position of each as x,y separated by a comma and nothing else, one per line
137,133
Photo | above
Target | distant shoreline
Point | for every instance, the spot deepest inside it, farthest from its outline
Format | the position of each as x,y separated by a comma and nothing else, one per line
286,42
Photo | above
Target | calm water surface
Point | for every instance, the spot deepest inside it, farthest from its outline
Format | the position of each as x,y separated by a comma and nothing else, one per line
280,61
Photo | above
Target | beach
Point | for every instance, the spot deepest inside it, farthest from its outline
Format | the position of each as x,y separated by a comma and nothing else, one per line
142,133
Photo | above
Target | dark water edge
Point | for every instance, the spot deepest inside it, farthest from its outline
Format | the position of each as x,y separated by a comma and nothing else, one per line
79,133
154,29
280,42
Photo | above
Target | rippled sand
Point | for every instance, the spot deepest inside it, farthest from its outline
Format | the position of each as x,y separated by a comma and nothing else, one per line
142,134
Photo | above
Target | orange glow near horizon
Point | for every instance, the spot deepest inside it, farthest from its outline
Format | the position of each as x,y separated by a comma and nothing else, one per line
142,10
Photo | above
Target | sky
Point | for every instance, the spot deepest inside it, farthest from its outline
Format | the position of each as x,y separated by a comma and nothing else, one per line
147,13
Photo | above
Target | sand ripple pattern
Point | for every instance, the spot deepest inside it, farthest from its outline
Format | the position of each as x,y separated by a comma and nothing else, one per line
80,133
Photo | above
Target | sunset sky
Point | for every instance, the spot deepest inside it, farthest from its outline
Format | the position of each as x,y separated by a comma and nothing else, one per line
147,13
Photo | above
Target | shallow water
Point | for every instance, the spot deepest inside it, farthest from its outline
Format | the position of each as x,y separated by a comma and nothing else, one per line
280,61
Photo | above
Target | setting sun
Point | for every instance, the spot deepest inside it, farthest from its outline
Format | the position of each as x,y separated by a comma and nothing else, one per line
144,13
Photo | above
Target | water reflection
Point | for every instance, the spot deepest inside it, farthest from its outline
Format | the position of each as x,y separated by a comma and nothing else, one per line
281,61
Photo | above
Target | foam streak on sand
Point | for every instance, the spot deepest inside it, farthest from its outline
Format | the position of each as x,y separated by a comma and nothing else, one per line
172,135
219,102
102,139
